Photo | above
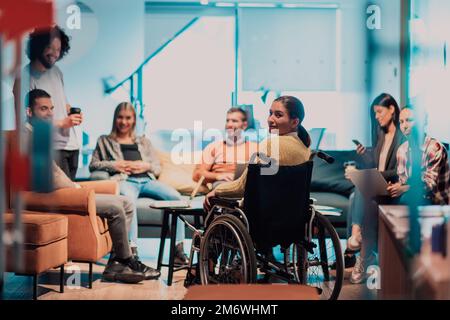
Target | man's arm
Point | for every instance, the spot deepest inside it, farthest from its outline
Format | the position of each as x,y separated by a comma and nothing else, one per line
204,169
401,163
435,157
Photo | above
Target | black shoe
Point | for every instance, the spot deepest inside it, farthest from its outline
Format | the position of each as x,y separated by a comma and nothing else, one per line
127,271
181,258
349,261
149,272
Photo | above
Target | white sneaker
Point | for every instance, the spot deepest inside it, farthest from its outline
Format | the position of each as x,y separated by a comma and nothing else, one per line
359,272
354,243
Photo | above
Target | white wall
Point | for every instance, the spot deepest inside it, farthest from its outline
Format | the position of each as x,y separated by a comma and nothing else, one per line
109,43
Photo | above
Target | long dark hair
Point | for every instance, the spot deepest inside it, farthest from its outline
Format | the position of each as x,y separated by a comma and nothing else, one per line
296,110
40,38
384,100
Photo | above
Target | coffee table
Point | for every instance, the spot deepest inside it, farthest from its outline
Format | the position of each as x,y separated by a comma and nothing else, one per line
196,210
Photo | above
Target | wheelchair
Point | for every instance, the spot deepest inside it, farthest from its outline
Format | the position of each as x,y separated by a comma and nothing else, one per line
235,245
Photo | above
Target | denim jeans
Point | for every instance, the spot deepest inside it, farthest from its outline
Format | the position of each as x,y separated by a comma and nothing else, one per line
357,206
364,213
147,188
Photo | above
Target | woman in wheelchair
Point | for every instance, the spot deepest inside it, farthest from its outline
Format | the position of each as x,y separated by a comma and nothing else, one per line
239,235
285,119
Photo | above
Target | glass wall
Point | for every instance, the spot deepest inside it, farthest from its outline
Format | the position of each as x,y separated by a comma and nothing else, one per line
429,80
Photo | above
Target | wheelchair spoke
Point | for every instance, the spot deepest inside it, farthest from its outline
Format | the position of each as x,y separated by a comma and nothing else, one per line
223,256
321,268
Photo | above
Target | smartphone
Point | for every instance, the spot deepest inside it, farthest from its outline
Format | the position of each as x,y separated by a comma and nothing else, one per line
74,111
356,142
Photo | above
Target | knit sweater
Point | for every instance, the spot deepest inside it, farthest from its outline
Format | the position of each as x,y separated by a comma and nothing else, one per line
291,151
107,152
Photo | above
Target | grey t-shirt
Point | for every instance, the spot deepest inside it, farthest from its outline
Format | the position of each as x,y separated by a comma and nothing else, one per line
52,81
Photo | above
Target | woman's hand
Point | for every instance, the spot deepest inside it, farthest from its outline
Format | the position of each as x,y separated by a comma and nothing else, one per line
122,166
360,149
206,203
349,169
139,166
397,189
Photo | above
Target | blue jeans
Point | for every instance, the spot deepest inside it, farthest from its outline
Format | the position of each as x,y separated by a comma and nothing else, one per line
355,215
364,213
147,188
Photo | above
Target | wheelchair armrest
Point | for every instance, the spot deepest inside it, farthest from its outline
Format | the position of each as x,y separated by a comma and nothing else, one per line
225,202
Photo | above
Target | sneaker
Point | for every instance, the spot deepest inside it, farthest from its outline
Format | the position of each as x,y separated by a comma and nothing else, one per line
149,272
358,273
181,258
354,243
127,271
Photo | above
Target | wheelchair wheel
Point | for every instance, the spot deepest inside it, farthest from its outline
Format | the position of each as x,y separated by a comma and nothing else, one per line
324,268
226,253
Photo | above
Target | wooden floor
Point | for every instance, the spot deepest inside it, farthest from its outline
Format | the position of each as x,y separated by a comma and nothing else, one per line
20,287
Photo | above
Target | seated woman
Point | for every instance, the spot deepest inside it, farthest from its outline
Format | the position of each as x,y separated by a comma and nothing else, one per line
286,116
134,162
362,216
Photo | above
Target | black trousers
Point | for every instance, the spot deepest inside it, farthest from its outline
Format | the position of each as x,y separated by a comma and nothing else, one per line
68,162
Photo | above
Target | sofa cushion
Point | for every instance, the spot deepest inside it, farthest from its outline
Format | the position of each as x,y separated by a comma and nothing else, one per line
330,177
179,176
37,259
40,229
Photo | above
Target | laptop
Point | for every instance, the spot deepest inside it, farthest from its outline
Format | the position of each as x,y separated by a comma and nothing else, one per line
164,204
316,135
370,182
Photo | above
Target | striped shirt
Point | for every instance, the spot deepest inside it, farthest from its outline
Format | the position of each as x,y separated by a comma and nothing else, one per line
435,169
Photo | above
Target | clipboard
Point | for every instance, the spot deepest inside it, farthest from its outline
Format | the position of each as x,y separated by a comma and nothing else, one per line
370,182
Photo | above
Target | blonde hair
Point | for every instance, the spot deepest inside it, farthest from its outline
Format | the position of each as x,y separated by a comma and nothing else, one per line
123,106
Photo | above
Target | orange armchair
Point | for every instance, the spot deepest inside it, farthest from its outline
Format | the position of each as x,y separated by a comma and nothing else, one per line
88,237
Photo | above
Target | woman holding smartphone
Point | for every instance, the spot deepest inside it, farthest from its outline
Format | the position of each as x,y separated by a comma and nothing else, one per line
362,215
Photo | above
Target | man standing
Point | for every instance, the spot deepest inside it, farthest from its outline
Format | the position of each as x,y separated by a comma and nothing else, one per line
435,168
45,48
220,158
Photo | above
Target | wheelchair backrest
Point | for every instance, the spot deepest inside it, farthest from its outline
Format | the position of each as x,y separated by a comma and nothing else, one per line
277,206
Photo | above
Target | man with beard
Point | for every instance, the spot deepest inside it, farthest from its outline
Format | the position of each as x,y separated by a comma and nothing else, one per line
45,48
220,158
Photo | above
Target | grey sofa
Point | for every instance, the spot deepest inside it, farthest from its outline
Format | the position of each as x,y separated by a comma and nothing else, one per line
330,187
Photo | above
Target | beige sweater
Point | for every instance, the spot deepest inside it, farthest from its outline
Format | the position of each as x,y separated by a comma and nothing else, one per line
291,152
